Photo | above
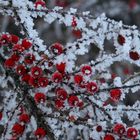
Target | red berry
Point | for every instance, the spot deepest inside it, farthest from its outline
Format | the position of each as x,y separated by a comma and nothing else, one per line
40,3
109,137
0,116
26,44
121,39
33,82
61,67
132,133
18,48
61,3
74,23
57,77
57,48
91,87
77,33
29,59
9,63
134,55
73,100
115,94
132,4
5,39
99,128
78,79
26,78
18,129
36,71
14,39
21,70
59,104
119,129
15,57
86,70
61,94
39,97
24,118
43,81
40,133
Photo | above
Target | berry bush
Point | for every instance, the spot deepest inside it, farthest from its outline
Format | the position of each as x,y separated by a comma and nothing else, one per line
47,94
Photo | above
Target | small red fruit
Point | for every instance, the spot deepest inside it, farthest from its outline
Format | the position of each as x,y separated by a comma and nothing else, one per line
57,48
134,55
24,118
14,39
115,94
78,79
40,97
26,43
18,129
132,133
61,94
121,39
29,59
21,70
91,87
40,3
109,137
36,71
40,133
119,129
9,63
57,77
86,70
43,81
73,100
59,104
61,67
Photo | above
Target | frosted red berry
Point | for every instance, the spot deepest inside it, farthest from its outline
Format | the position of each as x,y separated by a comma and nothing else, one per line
18,129
77,33
99,128
36,71
14,39
57,77
9,63
40,97
15,57
109,137
61,67
21,70
119,129
59,104
40,3
78,79
132,133
5,39
134,55
115,94
18,48
121,39
57,48
26,44
43,81
74,22
24,118
86,70
73,100
40,133
25,78
61,94
33,82
29,59
92,87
